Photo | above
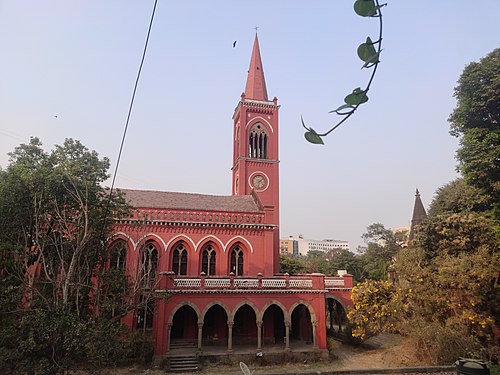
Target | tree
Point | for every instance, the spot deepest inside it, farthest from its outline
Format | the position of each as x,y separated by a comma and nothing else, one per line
457,196
382,246
53,229
475,121
291,265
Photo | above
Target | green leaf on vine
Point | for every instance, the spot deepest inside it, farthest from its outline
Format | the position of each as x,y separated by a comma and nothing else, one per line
357,97
313,137
372,60
367,8
342,107
366,51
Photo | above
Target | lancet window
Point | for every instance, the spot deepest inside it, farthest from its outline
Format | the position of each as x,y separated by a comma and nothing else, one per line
117,255
149,265
258,142
208,260
237,261
179,260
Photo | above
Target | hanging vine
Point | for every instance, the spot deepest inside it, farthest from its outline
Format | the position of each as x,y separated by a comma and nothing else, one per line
369,53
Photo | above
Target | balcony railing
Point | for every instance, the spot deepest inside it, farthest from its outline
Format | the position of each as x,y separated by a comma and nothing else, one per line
284,282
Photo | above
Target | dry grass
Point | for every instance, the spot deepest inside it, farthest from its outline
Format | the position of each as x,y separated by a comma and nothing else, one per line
385,351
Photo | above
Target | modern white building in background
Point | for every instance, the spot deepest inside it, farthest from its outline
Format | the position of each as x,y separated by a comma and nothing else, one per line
301,246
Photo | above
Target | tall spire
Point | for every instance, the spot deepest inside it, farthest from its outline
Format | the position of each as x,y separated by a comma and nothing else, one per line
256,84
419,214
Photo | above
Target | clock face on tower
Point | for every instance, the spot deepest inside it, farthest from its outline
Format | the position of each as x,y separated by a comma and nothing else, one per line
259,182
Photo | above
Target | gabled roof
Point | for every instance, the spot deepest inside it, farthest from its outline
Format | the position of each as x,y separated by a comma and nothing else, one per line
256,83
190,201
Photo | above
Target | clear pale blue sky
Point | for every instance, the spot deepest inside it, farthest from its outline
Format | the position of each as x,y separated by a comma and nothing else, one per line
78,59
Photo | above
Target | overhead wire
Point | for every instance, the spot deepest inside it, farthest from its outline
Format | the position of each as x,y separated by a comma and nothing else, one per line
128,115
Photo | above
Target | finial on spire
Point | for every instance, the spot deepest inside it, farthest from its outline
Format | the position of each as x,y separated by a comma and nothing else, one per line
416,192
256,29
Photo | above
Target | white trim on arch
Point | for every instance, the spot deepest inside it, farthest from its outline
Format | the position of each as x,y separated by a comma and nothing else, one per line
180,236
140,240
129,239
243,239
211,237
253,121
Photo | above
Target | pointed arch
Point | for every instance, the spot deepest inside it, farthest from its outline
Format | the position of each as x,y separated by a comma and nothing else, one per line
232,241
261,119
237,307
180,237
309,307
123,236
203,241
211,304
179,306
277,303
152,237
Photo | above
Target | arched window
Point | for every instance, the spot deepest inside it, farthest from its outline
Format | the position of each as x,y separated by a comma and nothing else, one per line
179,260
258,142
149,265
208,260
236,261
117,255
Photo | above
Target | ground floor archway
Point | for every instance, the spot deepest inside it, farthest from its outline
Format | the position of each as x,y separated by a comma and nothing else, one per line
215,328
245,327
336,317
301,330
273,326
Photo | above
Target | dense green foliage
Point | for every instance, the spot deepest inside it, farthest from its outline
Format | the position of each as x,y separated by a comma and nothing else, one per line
476,121
447,296
59,306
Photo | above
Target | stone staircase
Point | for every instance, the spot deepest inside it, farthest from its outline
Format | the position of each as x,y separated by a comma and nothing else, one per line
184,363
183,356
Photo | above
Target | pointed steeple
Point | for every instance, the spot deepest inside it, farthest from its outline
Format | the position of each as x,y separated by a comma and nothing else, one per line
256,84
419,214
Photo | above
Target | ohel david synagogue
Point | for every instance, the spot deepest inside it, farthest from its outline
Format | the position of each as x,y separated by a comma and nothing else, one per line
209,265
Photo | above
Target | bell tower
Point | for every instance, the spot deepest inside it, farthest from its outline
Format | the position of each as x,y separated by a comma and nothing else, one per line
255,150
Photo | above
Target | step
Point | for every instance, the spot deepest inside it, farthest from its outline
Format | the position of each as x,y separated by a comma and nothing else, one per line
184,363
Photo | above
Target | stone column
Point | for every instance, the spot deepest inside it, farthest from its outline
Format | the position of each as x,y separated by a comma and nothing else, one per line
259,334
169,338
200,334
230,336
314,324
287,336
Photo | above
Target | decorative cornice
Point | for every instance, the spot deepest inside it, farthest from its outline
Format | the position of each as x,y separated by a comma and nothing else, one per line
194,224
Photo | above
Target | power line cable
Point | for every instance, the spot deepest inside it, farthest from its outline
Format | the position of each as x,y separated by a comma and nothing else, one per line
128,115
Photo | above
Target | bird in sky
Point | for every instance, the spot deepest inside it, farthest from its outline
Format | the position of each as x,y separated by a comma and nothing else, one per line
234,44
55,116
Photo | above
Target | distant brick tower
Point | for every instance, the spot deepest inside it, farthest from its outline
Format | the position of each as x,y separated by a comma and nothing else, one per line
255,150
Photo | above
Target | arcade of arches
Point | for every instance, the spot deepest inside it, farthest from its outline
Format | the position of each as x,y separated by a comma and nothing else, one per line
249,327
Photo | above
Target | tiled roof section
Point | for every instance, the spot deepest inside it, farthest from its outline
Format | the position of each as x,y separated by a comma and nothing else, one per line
189,201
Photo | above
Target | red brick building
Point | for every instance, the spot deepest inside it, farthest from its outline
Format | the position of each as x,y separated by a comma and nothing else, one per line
212,262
